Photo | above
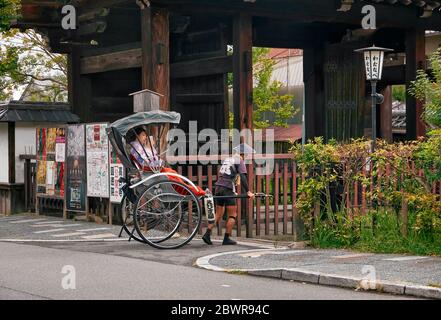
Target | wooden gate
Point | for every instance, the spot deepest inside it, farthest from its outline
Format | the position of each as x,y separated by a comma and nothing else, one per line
344,92
199,67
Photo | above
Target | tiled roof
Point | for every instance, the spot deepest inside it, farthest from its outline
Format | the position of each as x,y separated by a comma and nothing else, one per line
18,111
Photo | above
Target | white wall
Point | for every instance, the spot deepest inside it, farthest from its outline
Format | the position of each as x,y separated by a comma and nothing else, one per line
25,135
4,173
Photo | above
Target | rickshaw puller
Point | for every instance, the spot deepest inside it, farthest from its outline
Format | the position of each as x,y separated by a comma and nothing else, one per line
231,169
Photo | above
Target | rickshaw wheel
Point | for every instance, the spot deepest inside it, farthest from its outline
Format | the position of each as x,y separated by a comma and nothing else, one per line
167,215
128,224
126,216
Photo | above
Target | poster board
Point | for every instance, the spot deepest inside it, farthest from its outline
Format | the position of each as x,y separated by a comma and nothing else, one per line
75,169
50,168
116,172
97,160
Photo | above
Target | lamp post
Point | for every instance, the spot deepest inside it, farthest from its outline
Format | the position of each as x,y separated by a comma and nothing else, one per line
373,61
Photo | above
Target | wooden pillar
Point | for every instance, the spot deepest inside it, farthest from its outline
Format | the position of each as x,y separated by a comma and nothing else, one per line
243,71
243,93
146,48
155,44
415,59
11,151
314,113
79,87
386,115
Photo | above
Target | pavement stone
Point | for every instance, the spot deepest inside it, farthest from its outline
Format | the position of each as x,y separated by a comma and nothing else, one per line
339,281
392,273
423,291
276,273
300,275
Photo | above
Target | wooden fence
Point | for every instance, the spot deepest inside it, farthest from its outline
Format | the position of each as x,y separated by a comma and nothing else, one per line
262,217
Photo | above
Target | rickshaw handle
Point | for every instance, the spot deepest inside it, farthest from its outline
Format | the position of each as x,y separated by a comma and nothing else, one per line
165,174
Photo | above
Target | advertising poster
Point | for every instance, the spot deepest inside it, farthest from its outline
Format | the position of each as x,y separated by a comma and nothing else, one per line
60,145
50,178
116,172
41,176
50,161
50,143
41,143
97,155
75,188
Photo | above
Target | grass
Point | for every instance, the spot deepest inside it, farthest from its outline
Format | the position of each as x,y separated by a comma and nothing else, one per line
385,238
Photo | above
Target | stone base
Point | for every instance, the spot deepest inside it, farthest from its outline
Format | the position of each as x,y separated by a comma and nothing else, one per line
12,198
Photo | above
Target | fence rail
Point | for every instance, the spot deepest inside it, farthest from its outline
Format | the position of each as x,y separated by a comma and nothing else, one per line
262,217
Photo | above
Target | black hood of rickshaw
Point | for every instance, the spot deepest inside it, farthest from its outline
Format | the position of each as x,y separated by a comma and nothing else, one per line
145,118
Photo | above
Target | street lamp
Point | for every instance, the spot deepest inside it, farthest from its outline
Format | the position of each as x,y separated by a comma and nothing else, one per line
373,61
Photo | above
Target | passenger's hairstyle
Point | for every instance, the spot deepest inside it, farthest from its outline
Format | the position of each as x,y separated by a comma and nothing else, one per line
139,130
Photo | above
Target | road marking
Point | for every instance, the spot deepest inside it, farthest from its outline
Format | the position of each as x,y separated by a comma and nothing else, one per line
47,222
225,285
62,240
262,253
71,225
29,220
10,219
53,225
48,231
351,256
68,234
100,236
405,258
94,229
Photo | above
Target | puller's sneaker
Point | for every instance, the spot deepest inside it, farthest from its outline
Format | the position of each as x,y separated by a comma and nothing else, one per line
206,238
228,241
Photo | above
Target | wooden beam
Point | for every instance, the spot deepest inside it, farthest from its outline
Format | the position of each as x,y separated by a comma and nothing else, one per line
308,11
196,98
11,151
415,59
243,71
112,104
203,67
394,75
92,4
131,58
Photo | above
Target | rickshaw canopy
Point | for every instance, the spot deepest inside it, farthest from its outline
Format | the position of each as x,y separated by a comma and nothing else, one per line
145,118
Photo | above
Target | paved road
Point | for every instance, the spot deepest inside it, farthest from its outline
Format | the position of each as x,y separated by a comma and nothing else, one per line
35,272
32,227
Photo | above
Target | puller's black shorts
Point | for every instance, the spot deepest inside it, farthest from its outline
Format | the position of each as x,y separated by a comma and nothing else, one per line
222,191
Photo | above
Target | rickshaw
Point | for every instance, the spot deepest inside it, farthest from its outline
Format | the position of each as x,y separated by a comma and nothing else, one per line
160,207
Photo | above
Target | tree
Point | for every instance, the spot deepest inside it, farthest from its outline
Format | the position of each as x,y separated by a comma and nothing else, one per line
399,93
428,89
28,63
8,10
266,93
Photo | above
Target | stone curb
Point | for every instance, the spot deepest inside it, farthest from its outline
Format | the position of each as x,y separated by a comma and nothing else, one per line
361,284
317,278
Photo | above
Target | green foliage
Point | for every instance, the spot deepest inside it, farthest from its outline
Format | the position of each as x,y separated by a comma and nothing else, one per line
266,93
399,93
266,97
8,11
26,61
400,174
428,90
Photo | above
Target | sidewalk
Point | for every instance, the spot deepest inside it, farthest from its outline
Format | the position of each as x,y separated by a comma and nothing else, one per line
389,273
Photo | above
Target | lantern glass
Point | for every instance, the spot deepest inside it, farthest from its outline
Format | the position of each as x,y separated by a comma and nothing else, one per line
373,60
